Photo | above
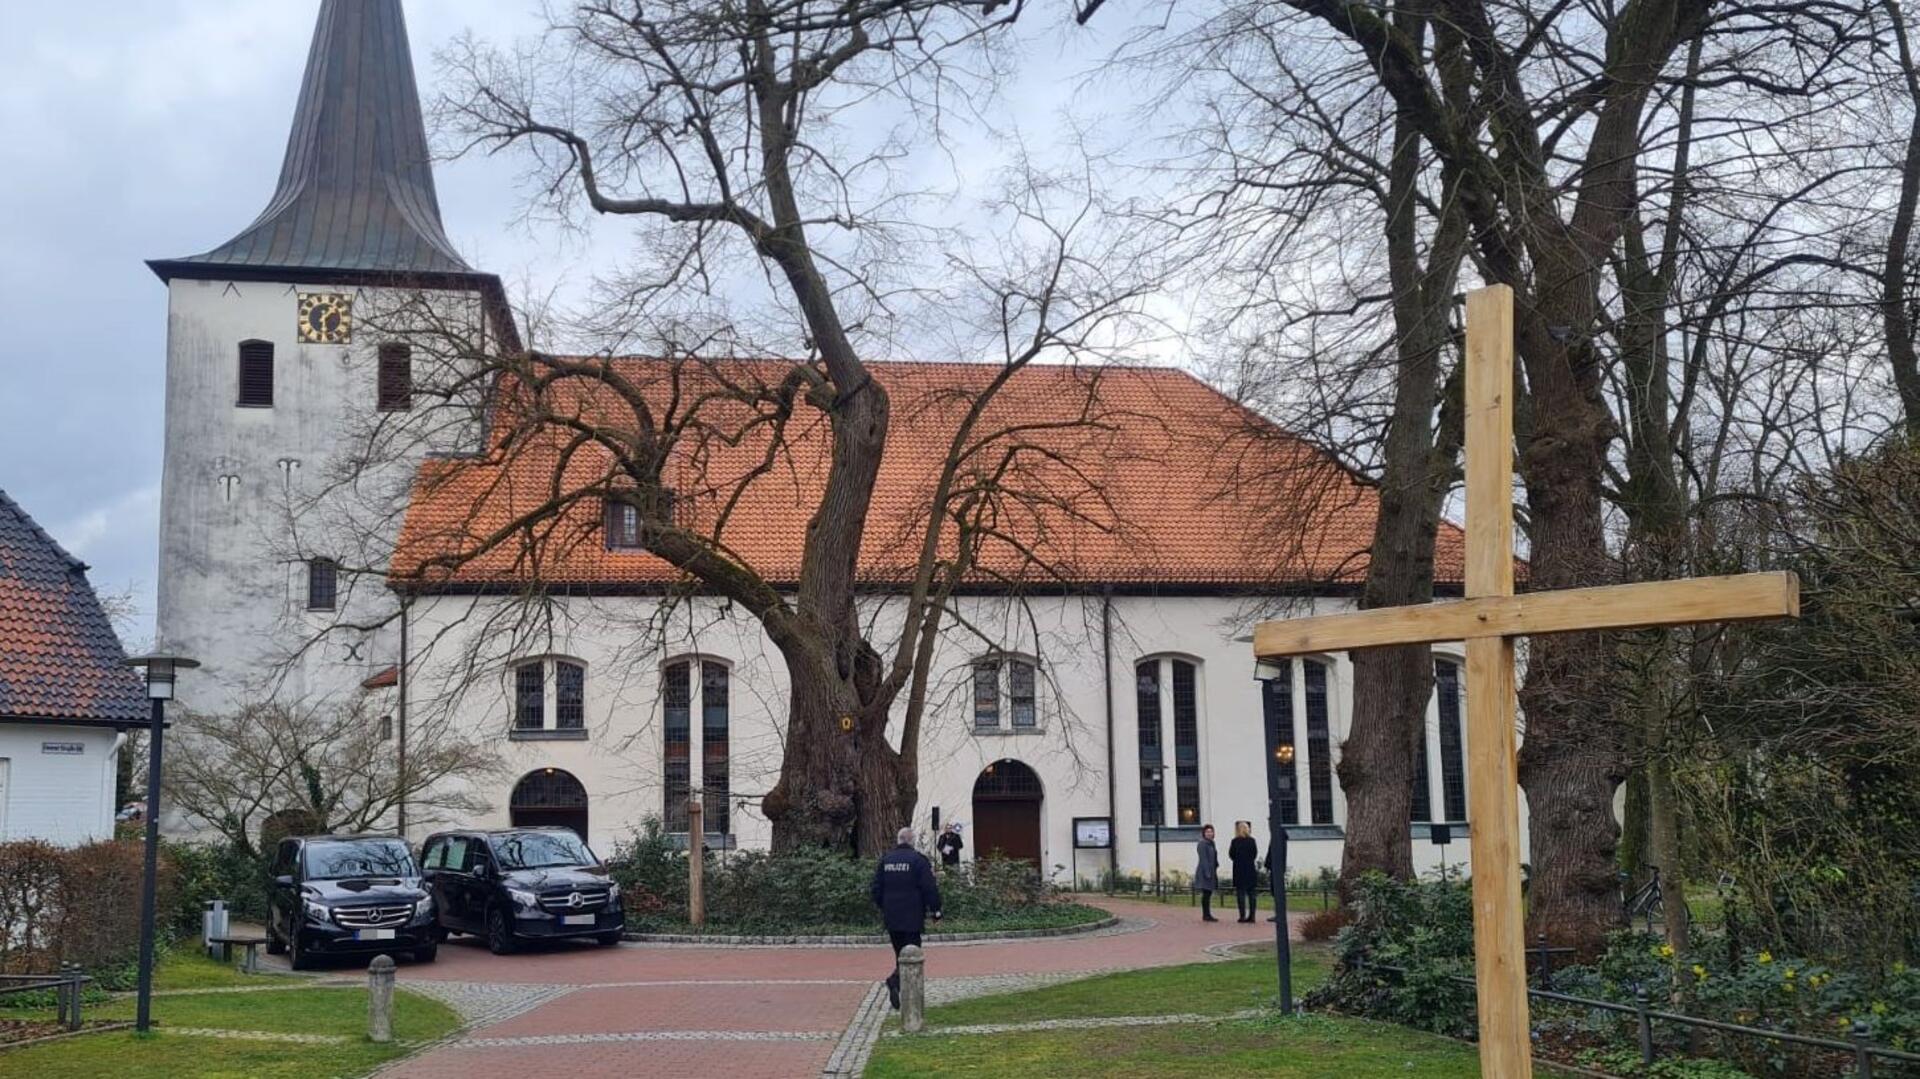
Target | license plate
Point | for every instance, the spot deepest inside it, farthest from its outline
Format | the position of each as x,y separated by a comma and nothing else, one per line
577,919
373,934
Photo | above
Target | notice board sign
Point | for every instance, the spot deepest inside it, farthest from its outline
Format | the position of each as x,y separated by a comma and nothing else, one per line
1095,833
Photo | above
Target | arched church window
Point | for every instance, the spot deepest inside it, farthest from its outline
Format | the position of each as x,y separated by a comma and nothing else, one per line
702,687
1167,692
394,391
1005,686
1153,797
1298,710
550,694
256,375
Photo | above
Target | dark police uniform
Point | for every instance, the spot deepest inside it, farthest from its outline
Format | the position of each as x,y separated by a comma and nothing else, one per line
905,890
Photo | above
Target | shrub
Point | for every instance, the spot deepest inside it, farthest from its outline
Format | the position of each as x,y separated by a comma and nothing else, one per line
30,872
1426,930
80,905
208,871
1322,925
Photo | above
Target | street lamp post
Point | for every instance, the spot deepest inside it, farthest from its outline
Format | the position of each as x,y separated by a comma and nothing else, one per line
160,671
1156,773
1280,779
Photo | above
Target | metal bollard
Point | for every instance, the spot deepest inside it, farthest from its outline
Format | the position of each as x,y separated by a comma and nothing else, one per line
1862,1055
61,994
380,999
1646,1024
913,989
1546,964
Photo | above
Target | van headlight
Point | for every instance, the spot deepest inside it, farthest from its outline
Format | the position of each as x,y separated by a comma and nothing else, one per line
319,912
613,891
524,899
423,909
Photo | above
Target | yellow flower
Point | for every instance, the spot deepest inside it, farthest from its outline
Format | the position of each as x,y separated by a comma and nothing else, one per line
1700,972
1842,1021
1665,951
1790,973
1766,957
1879,1007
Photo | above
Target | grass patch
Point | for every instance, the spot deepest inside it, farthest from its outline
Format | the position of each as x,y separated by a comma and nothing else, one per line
1192,988
1301,1047
167,1055
190,968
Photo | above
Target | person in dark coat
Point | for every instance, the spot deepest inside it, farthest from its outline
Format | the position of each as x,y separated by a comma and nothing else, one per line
906,892
1244,853
1206,874
950,845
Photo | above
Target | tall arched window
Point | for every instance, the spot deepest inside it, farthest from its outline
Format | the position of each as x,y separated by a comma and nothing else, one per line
710,696
1447,685
1166,689
1299,712
550,694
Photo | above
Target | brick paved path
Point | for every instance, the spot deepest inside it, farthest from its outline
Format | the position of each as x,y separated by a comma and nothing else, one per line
741,1013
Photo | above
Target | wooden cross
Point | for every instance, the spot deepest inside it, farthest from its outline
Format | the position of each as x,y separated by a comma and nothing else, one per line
1488,620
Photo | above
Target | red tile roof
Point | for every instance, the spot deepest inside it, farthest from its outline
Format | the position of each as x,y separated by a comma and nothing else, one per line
59,656
1132,476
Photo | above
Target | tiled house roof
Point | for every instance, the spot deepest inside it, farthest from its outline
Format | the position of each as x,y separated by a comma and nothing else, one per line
1133,477
59,656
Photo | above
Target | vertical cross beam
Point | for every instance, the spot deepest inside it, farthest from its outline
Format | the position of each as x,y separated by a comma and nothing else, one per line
1499,945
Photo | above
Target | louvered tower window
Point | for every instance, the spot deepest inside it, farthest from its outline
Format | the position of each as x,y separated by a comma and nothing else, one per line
256,374
395,392
322,584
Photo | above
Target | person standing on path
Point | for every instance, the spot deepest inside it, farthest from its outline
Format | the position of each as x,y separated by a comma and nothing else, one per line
1244,853
950,845
905,891
1206,874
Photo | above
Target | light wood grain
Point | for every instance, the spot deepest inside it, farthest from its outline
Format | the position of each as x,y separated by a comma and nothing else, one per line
1489,438
1739,598
1493,808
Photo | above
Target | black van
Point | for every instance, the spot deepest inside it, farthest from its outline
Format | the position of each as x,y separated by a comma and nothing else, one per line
520,884
345,894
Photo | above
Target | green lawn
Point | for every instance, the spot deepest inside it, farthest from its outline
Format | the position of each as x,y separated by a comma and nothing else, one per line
1194,988
1303,1047
189,968
166,1055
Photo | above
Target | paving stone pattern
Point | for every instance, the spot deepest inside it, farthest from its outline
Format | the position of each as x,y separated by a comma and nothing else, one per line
754,1012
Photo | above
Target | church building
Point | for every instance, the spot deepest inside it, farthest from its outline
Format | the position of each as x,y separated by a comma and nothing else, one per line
1092,701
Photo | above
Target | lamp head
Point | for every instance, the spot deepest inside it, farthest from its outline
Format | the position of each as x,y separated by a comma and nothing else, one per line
161,669
1283,753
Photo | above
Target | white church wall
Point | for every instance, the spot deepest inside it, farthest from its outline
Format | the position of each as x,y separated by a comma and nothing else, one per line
466,648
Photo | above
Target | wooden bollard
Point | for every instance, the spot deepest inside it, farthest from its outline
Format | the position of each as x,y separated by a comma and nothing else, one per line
696,863
913,989
380,999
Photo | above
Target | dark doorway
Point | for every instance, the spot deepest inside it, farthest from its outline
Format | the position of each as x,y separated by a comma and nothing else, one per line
549,798
1006,812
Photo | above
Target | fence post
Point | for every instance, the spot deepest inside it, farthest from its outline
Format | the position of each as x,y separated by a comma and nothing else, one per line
75,986
913,989
1546,963
380,999
696,863
62,996
1646,1024
1862,1051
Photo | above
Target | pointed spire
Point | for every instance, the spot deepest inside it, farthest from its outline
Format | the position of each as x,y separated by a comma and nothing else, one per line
356,188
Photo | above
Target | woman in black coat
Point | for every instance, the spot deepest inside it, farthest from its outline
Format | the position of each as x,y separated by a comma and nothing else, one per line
1244,854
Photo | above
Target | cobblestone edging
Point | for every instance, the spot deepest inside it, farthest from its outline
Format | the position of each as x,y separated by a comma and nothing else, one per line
850,940
856,1043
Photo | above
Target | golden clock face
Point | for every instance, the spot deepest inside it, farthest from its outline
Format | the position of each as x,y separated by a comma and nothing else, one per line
326,318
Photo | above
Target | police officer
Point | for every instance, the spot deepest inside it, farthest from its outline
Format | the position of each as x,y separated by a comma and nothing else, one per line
904,890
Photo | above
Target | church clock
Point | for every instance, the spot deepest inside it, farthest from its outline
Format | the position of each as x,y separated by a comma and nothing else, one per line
326,318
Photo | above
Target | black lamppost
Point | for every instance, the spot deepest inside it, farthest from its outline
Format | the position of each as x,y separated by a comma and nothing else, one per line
160,669
1280,779
1157,773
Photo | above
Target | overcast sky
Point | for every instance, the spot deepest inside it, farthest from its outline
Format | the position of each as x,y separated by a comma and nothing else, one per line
159,134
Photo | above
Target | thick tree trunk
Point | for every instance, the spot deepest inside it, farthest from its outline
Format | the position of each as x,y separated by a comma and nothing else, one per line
842,786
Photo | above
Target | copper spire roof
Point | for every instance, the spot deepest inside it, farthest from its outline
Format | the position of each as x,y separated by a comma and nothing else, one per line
59,656
356,187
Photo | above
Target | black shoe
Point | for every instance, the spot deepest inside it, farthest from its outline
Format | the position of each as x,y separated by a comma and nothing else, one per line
1209,918
893,997
1273,917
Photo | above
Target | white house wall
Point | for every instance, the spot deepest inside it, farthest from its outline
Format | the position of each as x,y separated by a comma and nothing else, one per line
49,792
465,646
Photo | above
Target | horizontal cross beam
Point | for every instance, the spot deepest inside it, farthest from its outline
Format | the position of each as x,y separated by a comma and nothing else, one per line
1739,598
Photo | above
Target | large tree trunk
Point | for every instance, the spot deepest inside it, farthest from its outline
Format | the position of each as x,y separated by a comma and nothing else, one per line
1393,685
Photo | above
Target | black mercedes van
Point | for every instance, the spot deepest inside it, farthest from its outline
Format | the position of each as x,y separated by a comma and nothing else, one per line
520,884
344,894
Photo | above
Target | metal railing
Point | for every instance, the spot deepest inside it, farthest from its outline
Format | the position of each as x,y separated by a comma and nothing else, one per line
1862,1048
67,984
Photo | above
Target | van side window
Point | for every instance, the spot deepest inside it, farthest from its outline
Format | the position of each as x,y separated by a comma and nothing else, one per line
283,858
458,853
434,857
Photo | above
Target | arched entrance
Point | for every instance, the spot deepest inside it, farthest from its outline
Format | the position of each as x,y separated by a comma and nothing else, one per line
1006,811
549,797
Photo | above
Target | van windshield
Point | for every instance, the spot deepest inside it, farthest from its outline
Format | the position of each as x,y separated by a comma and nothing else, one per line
542,850
348,859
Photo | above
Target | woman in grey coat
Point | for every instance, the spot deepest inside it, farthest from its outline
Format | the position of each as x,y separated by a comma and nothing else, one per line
1206,875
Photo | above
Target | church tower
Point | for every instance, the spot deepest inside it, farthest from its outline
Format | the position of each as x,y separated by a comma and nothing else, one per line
275,517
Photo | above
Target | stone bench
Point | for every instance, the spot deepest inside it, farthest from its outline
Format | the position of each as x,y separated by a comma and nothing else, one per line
250,962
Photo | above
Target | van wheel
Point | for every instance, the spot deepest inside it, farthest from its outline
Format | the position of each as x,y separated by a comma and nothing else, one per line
296,958
426,954
275,946
609,938
499,932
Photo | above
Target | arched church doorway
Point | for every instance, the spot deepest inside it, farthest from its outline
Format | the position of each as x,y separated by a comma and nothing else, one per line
549,797
1006,812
